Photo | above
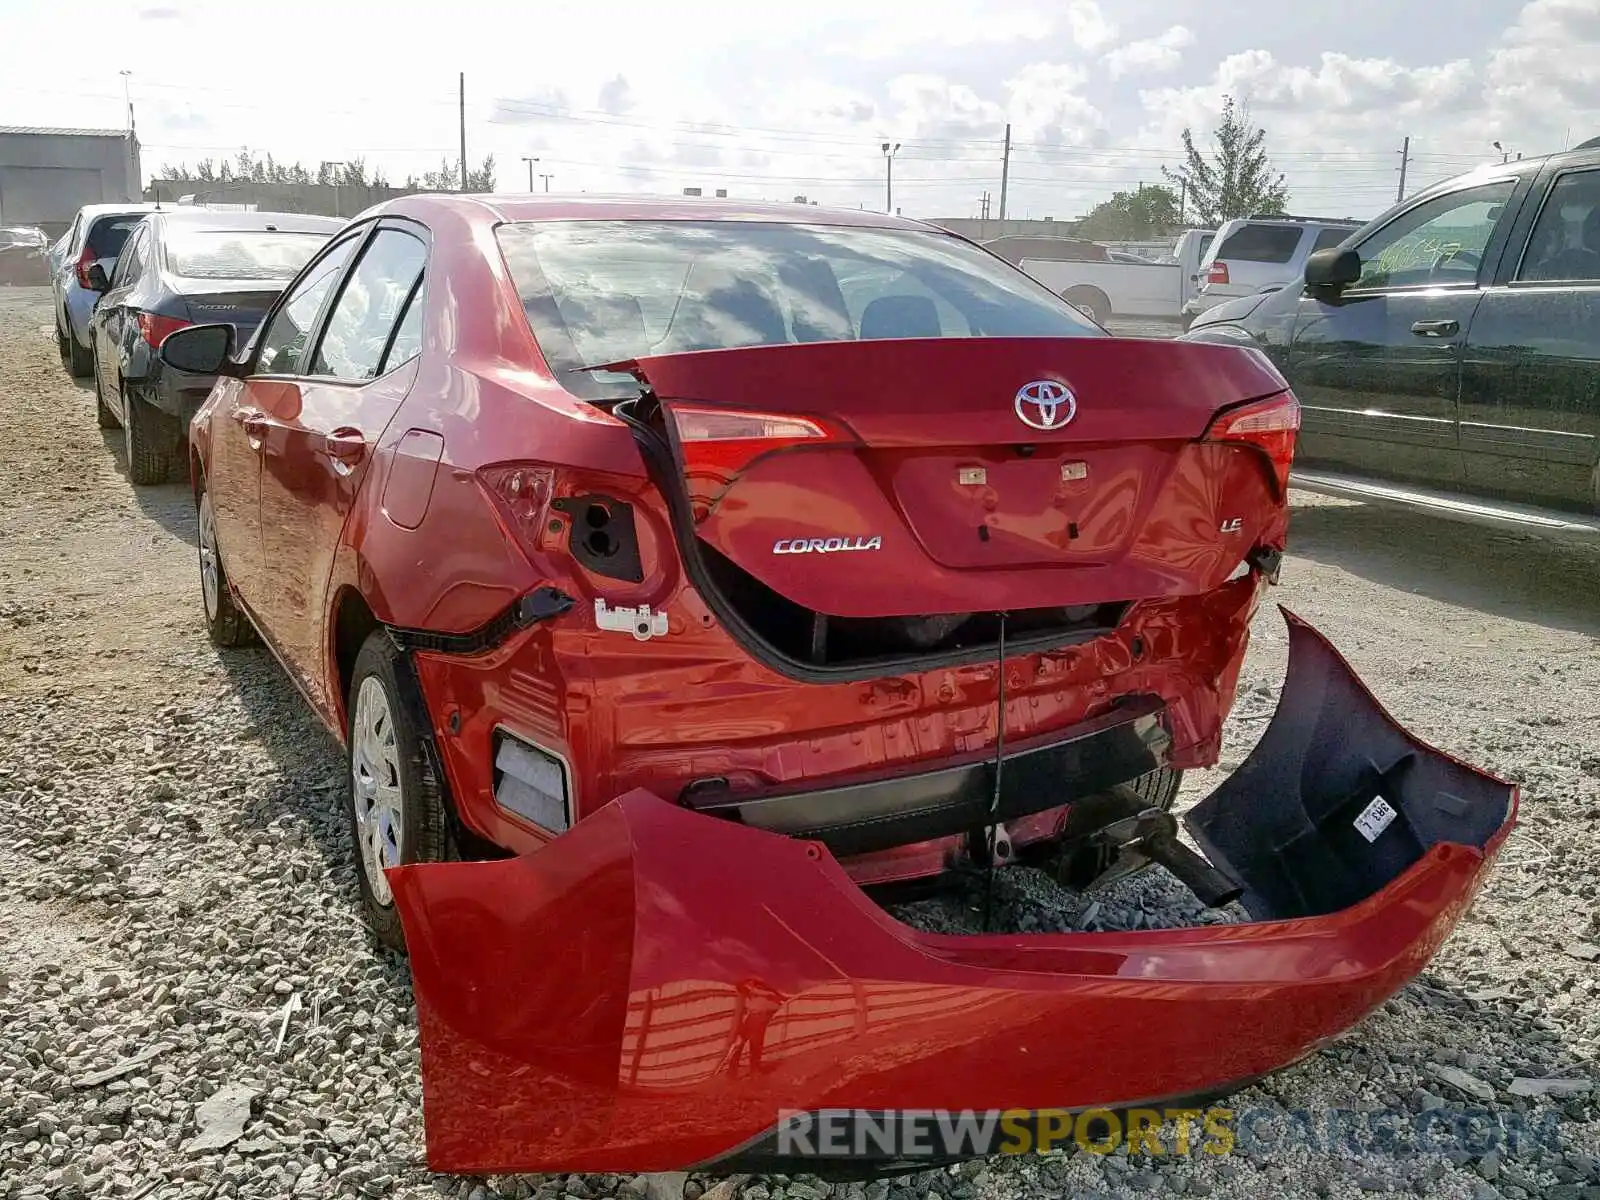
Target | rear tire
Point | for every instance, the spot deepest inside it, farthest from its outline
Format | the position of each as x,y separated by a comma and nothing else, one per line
147,439
1090,301
1073,854
1159,789
225,624
397,809
61,341
80,362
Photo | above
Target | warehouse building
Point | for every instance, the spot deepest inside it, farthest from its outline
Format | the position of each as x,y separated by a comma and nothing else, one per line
47,174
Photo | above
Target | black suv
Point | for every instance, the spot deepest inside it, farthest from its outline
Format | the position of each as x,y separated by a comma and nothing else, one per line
1454,344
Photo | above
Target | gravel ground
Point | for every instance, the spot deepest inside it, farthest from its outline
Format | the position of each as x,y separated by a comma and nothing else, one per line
179,900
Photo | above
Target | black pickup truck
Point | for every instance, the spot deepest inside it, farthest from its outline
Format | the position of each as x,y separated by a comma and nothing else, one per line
1450,349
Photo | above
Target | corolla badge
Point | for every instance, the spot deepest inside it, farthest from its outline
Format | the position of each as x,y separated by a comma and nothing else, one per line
832,545
1045,404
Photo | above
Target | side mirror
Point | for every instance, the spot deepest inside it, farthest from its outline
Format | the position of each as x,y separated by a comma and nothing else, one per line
1333,268
200,349
96,275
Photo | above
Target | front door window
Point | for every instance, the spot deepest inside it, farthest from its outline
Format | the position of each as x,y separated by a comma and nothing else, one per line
1436,244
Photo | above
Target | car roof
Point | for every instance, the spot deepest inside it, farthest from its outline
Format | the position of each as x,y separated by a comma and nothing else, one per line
90,211
248,221
502,209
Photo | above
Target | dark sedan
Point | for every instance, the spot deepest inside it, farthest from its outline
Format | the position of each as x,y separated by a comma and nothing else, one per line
1447,355
184,268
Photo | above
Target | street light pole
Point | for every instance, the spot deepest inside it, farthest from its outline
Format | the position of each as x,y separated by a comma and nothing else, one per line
547,177
530,162
888,184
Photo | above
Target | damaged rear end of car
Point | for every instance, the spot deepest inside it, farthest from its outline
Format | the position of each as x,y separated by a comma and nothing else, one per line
662,989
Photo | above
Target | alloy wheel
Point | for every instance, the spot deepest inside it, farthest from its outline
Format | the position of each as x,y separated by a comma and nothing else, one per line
210,579
376,790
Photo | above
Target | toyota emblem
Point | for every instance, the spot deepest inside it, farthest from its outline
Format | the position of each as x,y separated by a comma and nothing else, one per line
1045,404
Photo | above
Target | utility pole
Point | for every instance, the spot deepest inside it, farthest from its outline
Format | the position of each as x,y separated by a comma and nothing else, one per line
333,173
463,114
1405,159
888,187
128,97
1183,201
547,177
530,162
1005,171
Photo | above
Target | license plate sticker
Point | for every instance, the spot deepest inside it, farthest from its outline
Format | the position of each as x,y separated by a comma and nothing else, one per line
1375,818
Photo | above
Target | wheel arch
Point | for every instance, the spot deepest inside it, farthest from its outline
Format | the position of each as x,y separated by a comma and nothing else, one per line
1091,294
351,622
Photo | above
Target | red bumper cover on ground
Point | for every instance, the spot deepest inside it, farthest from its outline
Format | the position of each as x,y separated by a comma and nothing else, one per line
651,990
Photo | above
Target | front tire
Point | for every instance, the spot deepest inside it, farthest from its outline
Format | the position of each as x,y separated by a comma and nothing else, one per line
225,624
397,811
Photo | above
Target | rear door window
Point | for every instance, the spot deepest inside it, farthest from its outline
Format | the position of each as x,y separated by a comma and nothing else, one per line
368,309
407,341
1565,244
1261,243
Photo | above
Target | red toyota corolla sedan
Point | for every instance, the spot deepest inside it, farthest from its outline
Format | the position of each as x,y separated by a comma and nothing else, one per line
752,555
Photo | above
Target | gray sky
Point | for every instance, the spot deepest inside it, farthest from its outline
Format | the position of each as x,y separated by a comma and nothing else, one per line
770,101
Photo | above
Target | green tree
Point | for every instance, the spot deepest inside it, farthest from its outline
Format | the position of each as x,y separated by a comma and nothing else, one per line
1239,181
448,177
1150,212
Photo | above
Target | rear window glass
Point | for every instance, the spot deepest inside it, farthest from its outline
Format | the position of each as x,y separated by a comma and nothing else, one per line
597,292
239,254
1261,243
108,235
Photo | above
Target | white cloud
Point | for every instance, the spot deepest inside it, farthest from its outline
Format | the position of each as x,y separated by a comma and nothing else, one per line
1544,77
1089,26
1161,53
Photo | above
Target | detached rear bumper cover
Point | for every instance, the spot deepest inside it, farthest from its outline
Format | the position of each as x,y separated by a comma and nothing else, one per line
651,990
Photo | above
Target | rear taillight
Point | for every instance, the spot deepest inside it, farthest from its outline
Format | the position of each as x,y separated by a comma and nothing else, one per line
81,269
1217,272
718,443
155,329
1270,426
521,495
598,528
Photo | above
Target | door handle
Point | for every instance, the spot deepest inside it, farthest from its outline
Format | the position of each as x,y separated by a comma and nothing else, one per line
255,425
1436,328
346,447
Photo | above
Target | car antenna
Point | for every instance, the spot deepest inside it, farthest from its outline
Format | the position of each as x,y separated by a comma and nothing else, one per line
999,768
